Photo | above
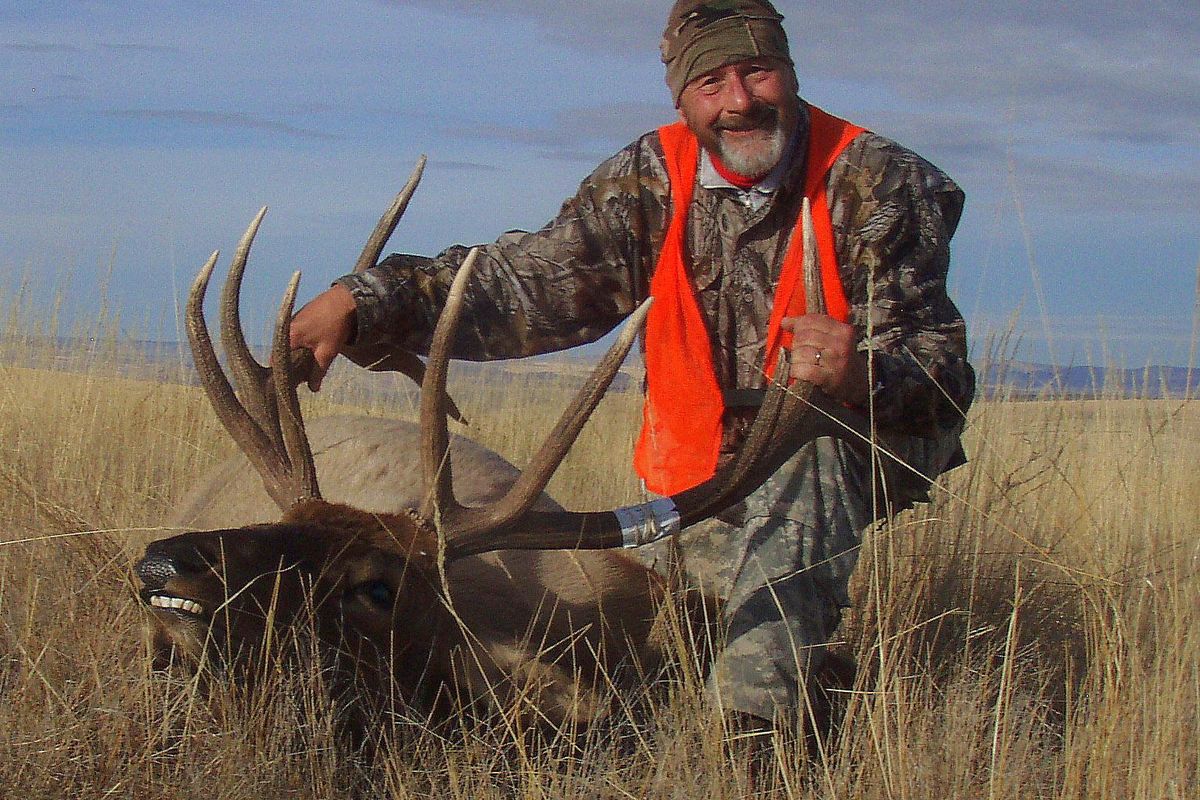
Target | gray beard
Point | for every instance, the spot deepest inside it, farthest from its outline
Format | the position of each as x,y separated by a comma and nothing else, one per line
754,160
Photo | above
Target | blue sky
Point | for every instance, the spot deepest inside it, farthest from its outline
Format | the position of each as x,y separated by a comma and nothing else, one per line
136,137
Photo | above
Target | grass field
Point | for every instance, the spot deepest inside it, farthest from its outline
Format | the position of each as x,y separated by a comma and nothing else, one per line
1032,632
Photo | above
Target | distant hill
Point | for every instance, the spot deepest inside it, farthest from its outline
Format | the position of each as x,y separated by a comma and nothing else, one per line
172,361
1022,379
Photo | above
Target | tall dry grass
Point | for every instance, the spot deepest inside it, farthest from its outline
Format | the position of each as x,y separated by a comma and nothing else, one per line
1032,632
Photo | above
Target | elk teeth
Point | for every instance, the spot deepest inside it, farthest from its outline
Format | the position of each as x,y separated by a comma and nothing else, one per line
176,603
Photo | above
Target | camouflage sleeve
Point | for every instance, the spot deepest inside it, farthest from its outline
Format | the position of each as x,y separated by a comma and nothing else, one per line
901,212
564,285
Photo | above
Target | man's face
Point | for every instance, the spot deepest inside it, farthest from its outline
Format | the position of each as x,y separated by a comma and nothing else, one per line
744,113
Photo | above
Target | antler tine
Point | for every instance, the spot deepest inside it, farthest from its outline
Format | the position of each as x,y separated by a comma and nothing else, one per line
378,358
435,437
239,423
533,479
289,421
814,289
387,223
251,379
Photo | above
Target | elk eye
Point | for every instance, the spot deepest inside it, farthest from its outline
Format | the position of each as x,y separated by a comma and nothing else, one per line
378,593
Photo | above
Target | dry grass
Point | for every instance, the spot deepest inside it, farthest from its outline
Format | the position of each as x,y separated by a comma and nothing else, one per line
1033,632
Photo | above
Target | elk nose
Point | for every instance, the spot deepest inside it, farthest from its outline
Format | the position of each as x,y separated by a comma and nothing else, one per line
155,569
178,556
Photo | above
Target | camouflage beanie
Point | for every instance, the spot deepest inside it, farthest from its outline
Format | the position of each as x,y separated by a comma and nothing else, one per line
702,35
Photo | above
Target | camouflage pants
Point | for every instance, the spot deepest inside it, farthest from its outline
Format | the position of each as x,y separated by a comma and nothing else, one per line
783,559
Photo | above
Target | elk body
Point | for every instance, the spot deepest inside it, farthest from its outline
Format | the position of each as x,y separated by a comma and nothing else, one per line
491,599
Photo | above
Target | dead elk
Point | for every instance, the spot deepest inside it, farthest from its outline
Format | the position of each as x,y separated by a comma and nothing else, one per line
504,603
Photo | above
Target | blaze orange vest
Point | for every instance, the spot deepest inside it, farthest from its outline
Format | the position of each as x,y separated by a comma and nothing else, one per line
681,418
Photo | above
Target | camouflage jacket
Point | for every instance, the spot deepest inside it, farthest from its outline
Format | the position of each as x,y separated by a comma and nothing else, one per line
575,279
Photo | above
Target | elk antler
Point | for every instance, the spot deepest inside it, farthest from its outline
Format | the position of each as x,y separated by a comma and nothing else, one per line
266,423
378,357
271,430
387,223
784,421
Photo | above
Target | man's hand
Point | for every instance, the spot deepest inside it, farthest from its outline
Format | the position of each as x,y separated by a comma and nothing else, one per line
324,326
824,353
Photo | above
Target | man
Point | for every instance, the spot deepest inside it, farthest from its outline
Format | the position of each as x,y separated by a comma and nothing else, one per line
701,214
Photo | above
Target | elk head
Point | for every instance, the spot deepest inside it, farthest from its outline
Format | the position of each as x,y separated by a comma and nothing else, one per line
328,574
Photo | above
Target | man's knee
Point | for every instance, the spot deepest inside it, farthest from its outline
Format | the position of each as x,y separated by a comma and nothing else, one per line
775,641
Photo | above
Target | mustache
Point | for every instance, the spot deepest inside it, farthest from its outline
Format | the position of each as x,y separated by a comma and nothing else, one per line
760,117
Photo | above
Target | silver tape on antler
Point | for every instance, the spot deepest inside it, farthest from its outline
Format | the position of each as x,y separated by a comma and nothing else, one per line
648,522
